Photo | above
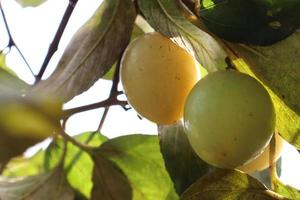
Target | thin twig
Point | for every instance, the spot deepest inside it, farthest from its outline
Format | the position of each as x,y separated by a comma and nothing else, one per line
54,45
110,101
114,93
101,104
11,41
103,118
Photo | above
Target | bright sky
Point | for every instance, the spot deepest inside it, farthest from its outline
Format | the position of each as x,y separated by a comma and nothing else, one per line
33,29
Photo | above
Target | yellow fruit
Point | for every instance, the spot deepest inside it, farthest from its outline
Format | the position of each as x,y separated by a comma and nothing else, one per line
229,118
157,76
262,161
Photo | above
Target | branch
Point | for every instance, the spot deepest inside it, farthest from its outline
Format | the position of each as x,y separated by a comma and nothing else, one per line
11,41
101,104
103,118
110,101
54,45
113,94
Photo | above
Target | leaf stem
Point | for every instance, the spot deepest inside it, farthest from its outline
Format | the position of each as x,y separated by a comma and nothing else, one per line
82,146
11,41
54,45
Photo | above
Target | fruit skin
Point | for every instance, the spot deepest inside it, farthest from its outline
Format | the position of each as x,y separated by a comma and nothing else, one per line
229,118
31,116
253,21
157,76
262,161
25,120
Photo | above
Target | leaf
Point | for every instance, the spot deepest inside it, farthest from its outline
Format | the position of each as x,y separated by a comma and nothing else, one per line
286,190
109,181
8,78
165,17
278,67
48,186
93,49
32,3
78,165
139,157
136,32
229,185
23,166
11,147
183,165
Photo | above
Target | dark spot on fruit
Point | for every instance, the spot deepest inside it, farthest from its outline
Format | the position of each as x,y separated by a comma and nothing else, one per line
177,78
160,47
250,114
283,96
224,154
235,139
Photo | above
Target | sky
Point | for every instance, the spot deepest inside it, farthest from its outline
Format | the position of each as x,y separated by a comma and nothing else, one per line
33,30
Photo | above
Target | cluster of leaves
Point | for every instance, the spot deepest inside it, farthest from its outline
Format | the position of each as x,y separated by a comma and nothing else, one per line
91,166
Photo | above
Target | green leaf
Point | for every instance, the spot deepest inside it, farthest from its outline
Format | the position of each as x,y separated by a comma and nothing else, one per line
21,166
47,186
137,31
78,165
139,157
93,49
109,181
229,185
286,190
31,3
11,147
183,165
165,17
278,67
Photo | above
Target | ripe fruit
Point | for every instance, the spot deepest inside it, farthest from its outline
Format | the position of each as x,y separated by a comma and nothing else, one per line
262,161
229,118
157,76
252,21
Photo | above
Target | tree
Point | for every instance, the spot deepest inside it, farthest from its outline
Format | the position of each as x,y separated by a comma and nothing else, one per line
91,166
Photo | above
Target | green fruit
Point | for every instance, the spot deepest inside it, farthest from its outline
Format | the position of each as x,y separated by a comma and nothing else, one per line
229,118
157,75
25,121
34,116
252,21
263,160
